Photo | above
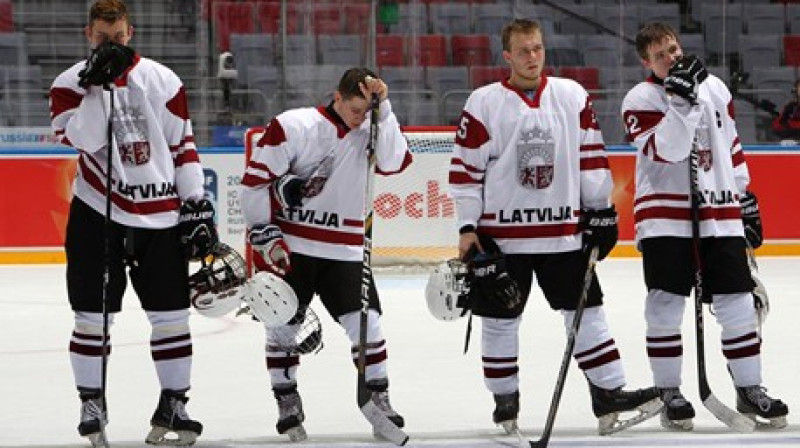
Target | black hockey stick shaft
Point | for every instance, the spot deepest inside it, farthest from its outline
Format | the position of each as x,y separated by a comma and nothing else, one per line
373,414
107,228
722,412
561,380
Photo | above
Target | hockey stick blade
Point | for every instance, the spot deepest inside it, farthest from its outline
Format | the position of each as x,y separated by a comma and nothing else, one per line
731,418
382,425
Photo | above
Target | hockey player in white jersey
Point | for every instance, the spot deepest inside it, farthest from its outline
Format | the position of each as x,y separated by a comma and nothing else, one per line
678,105
303,201
157,181
529,172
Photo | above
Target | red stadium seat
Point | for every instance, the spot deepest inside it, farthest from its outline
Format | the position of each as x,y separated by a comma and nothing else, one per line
791,50
6,17
269,18
389,50
472,49
327,19
588,77
231,17
429,50
480,75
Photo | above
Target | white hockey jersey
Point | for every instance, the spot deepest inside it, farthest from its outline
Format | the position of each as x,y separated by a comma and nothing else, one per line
663,128
314,143
523,169
155,165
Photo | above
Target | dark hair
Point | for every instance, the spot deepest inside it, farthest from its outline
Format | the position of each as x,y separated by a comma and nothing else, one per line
109,11
651,33
349,83
523,26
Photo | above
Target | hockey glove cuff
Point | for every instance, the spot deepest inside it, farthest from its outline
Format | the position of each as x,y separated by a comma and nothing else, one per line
751,219
599,229
197,230
270,249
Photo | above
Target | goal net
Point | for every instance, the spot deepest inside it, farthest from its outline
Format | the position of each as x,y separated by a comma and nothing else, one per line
415,221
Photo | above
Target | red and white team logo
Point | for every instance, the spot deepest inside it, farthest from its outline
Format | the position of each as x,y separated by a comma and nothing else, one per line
535,158
705,158
130,131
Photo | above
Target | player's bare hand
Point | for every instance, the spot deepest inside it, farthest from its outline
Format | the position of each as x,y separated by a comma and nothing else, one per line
374,85
465,243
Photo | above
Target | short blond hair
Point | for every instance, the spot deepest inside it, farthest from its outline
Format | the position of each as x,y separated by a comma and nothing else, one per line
109,11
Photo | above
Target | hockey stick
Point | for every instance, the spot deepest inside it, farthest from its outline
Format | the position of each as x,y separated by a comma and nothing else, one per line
102,440
567,358
373,414
733,419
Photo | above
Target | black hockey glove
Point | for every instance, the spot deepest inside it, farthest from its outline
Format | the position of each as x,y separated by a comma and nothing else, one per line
599,229
751,219
289,191
196,228
105,64
487,273
684,78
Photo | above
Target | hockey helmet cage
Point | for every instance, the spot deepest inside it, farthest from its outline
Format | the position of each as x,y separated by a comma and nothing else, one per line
447,291
218,286
271,300
300,336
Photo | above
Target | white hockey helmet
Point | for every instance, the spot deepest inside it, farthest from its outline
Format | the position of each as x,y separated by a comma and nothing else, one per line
447,289
300,336
218,286
271,300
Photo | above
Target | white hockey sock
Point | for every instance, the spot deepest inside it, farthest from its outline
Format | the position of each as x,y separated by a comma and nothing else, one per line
741,343
663,313
85,348
171,348
376,344
499,354
595,349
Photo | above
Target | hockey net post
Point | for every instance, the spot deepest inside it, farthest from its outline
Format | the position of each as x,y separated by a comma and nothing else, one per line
415,218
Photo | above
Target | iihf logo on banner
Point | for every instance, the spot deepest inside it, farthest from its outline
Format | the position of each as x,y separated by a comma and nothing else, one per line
210,185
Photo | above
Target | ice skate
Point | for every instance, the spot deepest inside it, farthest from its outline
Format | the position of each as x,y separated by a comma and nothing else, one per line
380,396
505,411
93,419
767,412
607,405
290,413
170,419
678,412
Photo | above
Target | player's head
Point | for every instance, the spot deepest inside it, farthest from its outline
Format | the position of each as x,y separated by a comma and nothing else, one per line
523,49
108,20
348,99
658,47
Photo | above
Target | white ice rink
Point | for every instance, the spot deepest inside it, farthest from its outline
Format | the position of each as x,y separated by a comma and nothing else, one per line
437,388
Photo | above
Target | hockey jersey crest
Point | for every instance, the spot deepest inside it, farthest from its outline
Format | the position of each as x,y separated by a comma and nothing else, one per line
536,158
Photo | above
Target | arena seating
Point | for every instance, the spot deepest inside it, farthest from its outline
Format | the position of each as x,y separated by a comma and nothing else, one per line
447,46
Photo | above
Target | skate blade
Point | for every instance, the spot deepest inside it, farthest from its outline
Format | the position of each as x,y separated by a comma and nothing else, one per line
98,439
509,426
159,435
610,423
676,425
296,434
768,423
